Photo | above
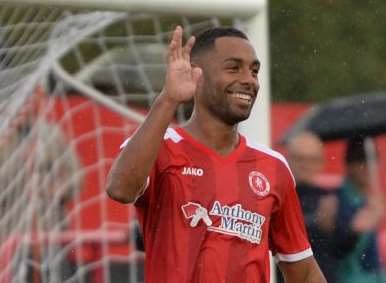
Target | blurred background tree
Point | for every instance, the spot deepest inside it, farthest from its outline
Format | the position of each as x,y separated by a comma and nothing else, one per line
324,49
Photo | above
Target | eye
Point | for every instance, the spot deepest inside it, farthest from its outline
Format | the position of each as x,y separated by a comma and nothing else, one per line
255,72
233,68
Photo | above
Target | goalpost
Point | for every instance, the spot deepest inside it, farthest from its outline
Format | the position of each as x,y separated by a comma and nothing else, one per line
76,77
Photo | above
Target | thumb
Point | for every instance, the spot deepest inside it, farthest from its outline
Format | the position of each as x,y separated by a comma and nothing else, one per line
196,74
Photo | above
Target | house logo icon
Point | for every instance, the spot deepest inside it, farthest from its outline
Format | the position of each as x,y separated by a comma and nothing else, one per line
196,212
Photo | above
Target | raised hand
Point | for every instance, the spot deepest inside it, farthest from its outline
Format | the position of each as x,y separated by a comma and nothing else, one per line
369,217
181,78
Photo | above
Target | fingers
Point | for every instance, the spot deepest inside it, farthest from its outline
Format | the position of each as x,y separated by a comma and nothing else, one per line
178,33
175,50
188,48
172,47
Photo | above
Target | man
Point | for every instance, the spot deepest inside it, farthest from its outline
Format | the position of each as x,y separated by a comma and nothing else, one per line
210,203
360,211
306,159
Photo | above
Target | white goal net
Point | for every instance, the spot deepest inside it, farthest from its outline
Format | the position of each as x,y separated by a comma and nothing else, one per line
73,84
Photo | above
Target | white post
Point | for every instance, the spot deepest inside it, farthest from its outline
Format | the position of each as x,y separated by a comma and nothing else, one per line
257,127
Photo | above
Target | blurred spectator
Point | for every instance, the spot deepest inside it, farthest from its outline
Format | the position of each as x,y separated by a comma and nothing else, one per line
57,177
41,174
306,159
360,210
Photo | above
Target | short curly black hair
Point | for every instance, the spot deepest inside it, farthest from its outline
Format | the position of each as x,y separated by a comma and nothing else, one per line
206,39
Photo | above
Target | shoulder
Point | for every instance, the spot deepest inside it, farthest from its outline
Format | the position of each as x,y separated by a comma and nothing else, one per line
174,147
171,135
267,152
270,155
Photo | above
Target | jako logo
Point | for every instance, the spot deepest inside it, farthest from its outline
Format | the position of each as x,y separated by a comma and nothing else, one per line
192,171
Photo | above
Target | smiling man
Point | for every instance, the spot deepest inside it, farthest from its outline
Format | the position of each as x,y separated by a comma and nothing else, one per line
211,204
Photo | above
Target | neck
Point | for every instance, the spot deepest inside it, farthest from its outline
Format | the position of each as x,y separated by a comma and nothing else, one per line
213,133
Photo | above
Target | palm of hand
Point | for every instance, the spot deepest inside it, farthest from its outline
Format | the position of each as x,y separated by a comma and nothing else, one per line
181,79
180,76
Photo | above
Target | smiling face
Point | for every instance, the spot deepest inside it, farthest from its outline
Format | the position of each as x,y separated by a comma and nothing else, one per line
229,84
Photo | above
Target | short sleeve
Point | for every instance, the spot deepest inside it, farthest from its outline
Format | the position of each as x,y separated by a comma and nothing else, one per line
167,154
150,189
288,236
151,180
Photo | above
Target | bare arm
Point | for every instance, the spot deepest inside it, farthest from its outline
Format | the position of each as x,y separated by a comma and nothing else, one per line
130,170
303,271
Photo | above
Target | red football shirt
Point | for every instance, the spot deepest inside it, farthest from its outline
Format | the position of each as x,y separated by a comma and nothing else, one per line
210,218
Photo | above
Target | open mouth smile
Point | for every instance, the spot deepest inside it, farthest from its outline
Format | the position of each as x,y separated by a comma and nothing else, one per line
244,97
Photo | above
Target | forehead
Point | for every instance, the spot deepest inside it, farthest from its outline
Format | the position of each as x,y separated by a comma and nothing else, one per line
235,47
306,145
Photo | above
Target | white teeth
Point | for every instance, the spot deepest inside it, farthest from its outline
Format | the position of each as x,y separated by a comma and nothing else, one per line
243,96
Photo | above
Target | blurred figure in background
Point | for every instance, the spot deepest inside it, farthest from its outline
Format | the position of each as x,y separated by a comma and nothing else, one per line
306,159
56,179
360,210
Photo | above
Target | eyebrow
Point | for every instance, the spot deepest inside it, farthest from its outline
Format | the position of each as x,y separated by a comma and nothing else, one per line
238,60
